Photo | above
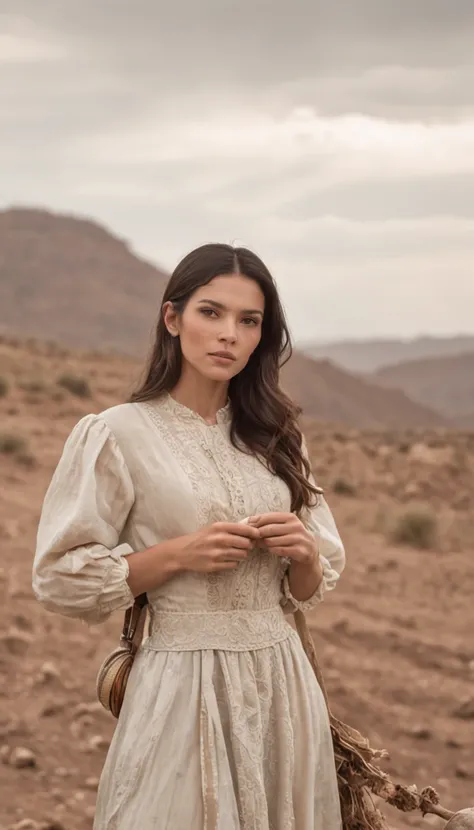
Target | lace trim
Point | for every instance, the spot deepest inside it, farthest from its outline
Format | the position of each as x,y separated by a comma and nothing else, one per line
179,410
177,441
314,600
216,630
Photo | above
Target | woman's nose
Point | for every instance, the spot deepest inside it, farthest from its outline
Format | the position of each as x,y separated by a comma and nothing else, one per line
229,333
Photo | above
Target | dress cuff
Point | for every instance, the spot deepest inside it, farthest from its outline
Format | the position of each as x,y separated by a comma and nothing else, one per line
116,594
327,583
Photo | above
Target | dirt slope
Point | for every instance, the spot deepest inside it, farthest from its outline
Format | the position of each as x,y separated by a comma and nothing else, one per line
329,393
445,384
369,355
395,638
69,280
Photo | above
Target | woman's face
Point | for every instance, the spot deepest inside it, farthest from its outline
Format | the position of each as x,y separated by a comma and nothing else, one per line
220,327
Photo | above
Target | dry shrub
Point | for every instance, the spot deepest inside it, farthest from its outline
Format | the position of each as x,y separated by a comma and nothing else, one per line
34,386
75,384
416,527
4,387
343,487
12,444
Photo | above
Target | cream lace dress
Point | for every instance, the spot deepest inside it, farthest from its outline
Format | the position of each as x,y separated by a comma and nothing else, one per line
224,726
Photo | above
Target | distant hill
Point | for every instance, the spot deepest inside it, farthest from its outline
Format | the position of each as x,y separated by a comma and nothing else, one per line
70,280
445,384
363,356
328,393
466,421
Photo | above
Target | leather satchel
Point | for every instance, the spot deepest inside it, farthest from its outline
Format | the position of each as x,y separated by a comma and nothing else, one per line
114,672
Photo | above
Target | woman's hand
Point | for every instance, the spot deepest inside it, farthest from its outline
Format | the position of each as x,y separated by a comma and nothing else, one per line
220,546
285,535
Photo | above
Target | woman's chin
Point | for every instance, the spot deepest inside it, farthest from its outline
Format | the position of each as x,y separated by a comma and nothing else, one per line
218,372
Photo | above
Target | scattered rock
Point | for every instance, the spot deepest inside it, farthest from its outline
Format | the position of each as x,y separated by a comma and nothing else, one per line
92,708
16,728
412,489
78,726
15,642
52,708
91,783
22,623
452,743
97,742
48,672
342,626
422,733
21,757
463,772
79,796
56,793
465,711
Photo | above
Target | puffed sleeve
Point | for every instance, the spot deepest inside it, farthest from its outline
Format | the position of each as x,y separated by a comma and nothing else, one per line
320,522
80,569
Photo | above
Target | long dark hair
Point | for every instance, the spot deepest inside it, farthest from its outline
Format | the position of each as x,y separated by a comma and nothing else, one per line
264,419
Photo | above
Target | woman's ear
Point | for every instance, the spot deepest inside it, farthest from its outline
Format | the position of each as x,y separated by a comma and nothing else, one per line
170,318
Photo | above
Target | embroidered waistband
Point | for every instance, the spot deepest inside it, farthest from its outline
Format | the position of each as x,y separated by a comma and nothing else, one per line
217,630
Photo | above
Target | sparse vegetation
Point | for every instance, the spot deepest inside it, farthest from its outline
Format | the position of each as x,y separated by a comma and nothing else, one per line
75,384
4,387
343,487
34,386
12,444
417,527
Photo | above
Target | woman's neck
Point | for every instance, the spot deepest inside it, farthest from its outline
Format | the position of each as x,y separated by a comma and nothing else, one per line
203,396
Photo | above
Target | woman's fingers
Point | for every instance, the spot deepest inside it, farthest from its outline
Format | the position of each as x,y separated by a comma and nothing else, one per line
287,541
239,542
264,519
246,531
274,530
236,554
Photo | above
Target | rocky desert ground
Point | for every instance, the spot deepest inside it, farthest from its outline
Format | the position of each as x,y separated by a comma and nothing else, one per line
395,638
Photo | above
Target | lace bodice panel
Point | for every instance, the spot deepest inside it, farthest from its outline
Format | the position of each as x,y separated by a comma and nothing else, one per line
227,485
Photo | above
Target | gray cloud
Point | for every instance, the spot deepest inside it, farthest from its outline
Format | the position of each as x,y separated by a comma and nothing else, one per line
157,49
337,138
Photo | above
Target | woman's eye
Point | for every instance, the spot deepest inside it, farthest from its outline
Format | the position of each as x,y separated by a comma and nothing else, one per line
208,312
250,321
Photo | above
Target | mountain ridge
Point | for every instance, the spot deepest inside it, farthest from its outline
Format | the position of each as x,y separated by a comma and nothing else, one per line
70,280
367,356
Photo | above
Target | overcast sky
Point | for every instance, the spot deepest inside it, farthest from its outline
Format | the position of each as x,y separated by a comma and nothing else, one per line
334,137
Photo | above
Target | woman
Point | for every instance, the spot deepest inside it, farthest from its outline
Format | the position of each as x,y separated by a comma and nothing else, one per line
199,493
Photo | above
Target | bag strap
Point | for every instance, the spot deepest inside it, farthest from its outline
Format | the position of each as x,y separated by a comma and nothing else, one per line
310,651
134,621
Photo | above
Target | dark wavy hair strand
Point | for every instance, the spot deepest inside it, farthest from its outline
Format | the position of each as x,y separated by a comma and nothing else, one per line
264,419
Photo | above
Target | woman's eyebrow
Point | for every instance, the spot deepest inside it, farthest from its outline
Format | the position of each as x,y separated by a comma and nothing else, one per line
224,308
